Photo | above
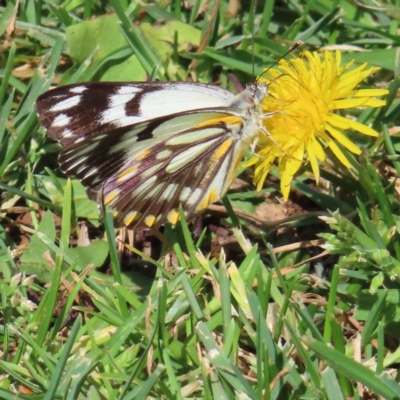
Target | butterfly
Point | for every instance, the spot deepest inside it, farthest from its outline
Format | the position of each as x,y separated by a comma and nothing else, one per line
145,148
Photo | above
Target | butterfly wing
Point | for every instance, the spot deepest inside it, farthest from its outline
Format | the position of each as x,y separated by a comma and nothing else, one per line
146,168
72,113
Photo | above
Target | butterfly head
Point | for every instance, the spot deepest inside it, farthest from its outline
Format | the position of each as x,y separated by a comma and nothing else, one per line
251,98
258,90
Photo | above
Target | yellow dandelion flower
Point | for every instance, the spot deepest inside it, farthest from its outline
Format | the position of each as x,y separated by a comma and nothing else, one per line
303,95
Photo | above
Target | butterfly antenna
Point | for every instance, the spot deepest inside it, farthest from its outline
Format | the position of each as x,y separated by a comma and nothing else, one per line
294,47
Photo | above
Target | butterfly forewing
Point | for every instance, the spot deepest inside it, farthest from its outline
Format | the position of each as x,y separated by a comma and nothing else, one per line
147,148
71,113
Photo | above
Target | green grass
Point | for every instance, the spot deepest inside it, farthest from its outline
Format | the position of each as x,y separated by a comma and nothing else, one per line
196,319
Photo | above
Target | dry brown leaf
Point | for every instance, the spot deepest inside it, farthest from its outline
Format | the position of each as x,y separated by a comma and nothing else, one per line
11,23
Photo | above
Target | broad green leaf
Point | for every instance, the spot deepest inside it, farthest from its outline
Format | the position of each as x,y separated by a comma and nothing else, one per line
34,260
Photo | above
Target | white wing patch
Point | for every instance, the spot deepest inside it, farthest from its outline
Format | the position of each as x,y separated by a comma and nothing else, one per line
68,133
184,97
194,197
171,188
185,193
66,104
118,117
61,120
78,89
194,136
122,90
188,155
119,99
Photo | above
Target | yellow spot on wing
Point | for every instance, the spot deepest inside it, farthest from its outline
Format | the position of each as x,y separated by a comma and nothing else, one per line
232,173
127,171
130,217
227,120
218,154
173,216
222,149
142,155
149,221
211,196
111,196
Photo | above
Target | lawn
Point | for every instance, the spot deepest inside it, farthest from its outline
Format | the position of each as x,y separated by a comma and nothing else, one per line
287,288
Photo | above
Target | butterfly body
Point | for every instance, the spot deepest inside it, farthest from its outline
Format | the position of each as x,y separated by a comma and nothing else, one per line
146,148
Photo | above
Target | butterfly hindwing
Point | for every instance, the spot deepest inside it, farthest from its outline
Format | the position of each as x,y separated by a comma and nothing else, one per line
149,190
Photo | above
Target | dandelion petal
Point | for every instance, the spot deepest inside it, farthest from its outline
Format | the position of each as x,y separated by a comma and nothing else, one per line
366,130
348,103
343,140
338,153
370,92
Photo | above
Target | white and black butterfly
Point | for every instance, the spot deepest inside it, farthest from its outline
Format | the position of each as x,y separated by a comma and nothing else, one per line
148,147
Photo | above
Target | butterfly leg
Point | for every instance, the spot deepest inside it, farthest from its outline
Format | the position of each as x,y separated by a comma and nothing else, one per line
263,130
254,145
270,114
